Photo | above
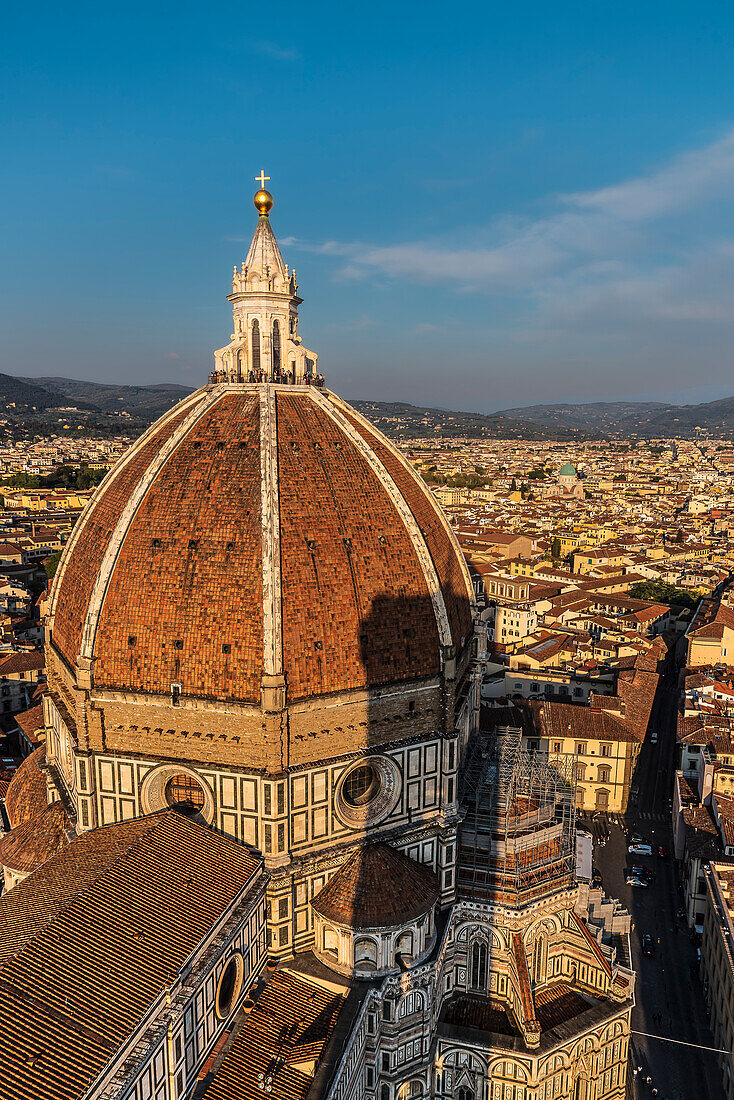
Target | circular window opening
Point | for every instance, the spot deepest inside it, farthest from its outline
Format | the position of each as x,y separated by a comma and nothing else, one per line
229,987
361,785
184,794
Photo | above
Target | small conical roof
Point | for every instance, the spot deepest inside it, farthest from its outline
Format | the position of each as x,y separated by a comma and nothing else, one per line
264,255
377,887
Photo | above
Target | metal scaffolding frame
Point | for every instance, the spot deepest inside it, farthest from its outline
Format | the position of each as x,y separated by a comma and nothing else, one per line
518,836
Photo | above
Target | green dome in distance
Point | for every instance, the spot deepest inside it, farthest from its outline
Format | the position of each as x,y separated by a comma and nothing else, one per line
567,470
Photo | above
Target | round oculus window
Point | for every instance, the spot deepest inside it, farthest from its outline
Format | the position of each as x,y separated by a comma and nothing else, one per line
183,793
230,984
361,785
175,787
368,791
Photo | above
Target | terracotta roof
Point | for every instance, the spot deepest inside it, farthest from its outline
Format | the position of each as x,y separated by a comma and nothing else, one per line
284,1035
184,602
377,887
481,1013
22,662
32,844
566,720
523,977
26,797
31,721
593,943
86,945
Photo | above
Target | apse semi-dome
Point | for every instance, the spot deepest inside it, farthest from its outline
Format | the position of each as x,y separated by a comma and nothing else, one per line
260,533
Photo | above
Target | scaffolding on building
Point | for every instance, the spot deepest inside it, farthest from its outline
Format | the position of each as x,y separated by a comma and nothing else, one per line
518,837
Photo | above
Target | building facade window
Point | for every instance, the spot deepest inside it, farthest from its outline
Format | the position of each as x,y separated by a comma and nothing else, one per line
256,361
479,966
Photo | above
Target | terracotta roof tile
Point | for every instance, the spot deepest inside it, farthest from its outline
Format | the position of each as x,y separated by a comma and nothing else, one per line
26,797
31,661
427,516
189,576
377,887
32,844
288,1028
86,553
356,606
184,603
65,1015
31,721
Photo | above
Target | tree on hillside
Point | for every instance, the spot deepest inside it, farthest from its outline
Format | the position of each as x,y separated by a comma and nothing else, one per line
556,548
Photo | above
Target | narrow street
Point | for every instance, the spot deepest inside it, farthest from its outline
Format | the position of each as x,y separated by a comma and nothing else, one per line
668,983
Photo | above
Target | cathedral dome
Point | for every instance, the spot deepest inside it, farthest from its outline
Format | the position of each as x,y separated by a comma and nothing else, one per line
567,470
257,533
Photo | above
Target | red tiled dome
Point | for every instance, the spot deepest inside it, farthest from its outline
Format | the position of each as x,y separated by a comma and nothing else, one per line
26,798
378,886
31,844
254,528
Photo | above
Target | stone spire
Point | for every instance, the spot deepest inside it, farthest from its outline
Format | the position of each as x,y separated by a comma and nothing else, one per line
265,345
264,256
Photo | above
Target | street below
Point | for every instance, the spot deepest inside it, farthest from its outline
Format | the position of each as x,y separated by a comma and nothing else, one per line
669,994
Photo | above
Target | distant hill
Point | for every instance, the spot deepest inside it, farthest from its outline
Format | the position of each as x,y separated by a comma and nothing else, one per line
625,418
25,395
396,418
41,404
146,402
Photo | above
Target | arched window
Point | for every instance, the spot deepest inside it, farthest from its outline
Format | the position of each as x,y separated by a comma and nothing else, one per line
479,966
256,346
581,772
581,1089
464,1094
605,773
241,359
365,954
410,1090
404,946
540,959
331,942
276,346
410,1004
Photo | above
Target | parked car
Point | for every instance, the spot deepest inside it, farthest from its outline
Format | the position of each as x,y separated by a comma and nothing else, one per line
654,737
662,852
640,871
596,878
648,945
637,880
638,849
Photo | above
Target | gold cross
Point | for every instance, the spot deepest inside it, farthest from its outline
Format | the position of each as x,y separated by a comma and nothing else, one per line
262,178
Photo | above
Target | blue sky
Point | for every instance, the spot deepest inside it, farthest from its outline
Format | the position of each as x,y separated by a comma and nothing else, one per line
487,206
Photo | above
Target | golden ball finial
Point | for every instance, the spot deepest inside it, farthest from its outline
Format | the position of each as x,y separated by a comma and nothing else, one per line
263,202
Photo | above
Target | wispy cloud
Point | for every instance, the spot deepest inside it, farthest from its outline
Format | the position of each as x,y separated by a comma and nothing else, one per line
276,51
171,355
612,260
691,177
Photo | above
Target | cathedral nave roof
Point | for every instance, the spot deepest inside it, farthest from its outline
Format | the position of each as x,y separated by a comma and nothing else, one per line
89,941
